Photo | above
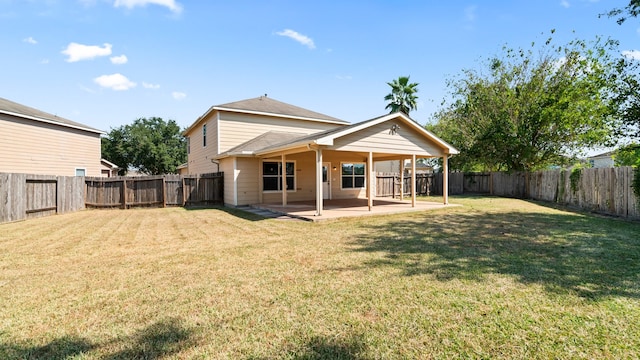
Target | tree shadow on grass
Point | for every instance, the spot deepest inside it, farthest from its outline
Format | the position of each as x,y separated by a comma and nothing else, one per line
590,256
58,349
158,340
323,347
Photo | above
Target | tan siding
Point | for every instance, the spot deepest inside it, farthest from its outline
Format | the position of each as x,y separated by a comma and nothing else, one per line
236,129
199,158
32,147
379,140
336,158
226,166
247,181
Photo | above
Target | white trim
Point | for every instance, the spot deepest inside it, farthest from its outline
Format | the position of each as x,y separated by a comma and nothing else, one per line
83,128
84,169
329,181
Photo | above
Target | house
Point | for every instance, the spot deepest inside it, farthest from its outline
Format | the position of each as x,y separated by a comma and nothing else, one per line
265,146
604,160
36,142
108,169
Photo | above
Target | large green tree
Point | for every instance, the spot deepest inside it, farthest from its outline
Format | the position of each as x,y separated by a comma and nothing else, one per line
403,95
150,145
533,108
622,15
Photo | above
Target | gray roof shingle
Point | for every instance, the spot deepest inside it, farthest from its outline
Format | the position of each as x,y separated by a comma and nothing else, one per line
10,107
268,105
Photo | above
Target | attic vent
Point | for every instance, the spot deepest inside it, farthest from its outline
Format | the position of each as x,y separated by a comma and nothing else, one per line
262,97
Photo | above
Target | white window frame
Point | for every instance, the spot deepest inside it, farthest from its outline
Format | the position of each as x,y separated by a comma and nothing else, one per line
295,176
84,170
353,176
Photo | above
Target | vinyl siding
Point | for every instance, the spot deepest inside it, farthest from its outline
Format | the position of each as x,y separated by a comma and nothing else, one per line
247,180
32,147
199,157
226,166
236,129
305,179
378,139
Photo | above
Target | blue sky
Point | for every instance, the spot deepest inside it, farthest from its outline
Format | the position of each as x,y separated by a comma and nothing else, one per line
105,63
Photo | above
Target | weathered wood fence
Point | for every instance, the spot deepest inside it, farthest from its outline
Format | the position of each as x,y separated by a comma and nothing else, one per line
165,190
25,196
604,190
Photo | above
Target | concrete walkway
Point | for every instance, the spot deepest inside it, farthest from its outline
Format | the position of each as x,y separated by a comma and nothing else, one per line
335,209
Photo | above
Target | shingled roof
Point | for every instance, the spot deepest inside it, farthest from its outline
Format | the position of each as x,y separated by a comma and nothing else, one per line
14,109
267,105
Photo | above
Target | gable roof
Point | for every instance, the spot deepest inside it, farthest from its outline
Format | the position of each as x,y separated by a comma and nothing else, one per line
328,137
18,110
280,142
267,106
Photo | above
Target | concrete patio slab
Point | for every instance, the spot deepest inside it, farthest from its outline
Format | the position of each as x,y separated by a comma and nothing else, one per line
341,208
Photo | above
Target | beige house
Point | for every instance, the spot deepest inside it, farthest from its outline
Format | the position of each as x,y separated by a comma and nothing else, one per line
36,142
264,146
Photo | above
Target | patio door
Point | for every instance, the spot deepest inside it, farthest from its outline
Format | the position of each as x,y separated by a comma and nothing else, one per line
326,180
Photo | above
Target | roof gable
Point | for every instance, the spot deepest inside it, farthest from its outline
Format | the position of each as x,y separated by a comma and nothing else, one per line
18,110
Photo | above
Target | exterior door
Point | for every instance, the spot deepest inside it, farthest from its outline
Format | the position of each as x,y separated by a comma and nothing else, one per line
326,180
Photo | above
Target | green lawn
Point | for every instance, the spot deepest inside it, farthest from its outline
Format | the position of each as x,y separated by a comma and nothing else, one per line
495,278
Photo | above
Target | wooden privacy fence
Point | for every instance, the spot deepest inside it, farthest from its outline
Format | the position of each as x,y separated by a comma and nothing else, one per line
604,190
25,196
165,190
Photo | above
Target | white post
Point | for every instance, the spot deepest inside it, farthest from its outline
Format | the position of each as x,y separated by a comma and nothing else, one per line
445,179
401,179
319,182
284,180
413,180
370,180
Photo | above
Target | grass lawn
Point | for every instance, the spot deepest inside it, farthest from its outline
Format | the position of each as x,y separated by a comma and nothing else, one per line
495,278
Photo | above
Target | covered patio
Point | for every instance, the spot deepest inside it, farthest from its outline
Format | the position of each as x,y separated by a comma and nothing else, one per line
344,208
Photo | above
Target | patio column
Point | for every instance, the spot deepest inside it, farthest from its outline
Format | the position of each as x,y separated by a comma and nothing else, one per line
413,180
401,179
284,180
445,179
318,182
370,180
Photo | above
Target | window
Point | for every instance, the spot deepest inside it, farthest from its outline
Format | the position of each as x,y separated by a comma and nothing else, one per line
81,172
272,176
353,175
204,135
188,145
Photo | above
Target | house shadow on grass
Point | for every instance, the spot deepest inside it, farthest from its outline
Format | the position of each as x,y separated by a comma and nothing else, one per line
590,256
239,213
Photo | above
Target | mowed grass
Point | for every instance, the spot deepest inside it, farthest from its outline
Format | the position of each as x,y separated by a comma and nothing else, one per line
495,278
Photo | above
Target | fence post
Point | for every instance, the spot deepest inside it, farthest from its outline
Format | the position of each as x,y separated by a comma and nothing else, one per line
164,192
124,193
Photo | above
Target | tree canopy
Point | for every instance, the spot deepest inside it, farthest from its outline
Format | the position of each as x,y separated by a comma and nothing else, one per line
533,108
403,95
631,10
151,145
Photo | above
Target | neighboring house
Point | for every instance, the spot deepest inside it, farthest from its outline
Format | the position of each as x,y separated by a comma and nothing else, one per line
323,157
108,169
36,142
604,160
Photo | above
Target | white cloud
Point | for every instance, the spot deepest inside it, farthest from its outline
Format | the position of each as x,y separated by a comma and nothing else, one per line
565,4
115,82
178,95
302,39
170,4
631,54
470,13
147,85
78,52
119,60
30,40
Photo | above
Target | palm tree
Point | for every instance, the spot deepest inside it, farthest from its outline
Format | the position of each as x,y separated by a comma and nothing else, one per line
403,95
